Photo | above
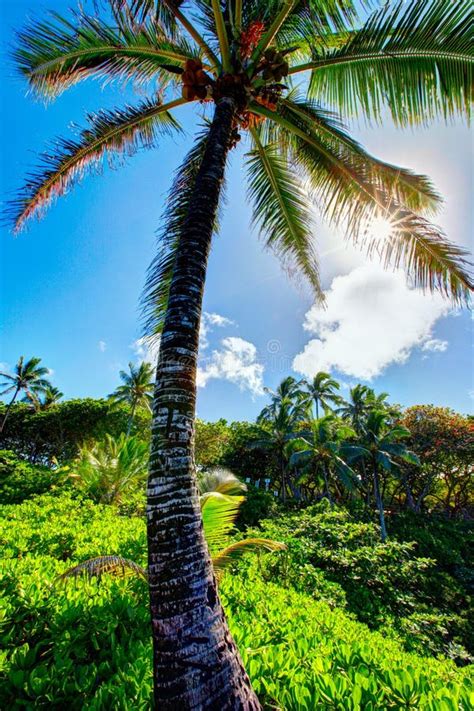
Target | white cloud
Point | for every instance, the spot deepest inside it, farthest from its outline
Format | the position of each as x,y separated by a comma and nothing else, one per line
146,349
236,362
434,344
372,319
49,372
209,321
102,345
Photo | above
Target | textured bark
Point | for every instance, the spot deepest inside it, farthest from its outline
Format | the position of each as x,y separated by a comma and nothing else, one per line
196,663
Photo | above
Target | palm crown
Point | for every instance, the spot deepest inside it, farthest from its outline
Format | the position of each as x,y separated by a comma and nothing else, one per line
411,59
137,386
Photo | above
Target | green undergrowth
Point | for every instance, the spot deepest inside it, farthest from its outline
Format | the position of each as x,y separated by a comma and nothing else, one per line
86,644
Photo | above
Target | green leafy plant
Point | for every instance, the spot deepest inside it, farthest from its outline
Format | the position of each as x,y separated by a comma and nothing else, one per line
108,470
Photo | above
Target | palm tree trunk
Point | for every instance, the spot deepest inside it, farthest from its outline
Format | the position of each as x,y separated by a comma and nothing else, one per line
283,477
379,503
130,420
8,408
195,661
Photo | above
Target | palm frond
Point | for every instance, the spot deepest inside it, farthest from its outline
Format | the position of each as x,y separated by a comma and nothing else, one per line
233,552
158,281
219,513
57,54
404,45
404,186
115,132
349,193
111,564
281,209
221,480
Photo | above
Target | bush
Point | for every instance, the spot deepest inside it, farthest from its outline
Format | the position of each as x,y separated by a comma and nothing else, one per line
58,432
87,644
334,557
20,480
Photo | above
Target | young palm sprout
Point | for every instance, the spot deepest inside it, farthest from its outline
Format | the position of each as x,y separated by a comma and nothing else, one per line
412,60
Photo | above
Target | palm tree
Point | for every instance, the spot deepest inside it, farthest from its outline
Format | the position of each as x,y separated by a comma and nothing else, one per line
322,390
137,389
27,377
279,421
323,449
382,446
356,409
49,396
413,58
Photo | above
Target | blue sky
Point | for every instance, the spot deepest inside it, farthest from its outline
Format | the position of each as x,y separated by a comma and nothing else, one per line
70,285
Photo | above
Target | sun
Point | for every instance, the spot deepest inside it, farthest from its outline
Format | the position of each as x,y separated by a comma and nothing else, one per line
381,228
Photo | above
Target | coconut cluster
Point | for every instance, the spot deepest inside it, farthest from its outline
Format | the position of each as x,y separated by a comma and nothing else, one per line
274,66
196,83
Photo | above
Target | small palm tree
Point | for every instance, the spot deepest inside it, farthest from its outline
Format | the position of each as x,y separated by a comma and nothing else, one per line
357,407
43,401
279,421
413,59
222,494
323,449
137,389
323,391
28,378
108,470
383,447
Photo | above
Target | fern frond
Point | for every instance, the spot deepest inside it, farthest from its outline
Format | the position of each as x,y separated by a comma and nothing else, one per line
115,132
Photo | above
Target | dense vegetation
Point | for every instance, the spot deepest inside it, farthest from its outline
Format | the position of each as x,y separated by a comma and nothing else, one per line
338,619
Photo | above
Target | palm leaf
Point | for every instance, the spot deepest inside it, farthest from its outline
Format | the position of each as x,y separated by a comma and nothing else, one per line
416,58
221,480
404,186
158,281
280,207
55,55
109,132
111,564
219,513
349,193
222,560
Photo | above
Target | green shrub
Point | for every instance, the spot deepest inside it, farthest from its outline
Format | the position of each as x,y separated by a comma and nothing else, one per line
20,480
382,583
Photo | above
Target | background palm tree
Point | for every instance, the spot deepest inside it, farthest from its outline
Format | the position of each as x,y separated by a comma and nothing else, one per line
50,395
323,391
280,420
137,389
382,445
414,59
323,449
26,377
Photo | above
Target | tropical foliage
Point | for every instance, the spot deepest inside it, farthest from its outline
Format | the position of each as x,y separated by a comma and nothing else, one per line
303,647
